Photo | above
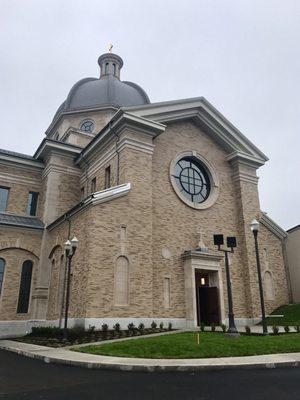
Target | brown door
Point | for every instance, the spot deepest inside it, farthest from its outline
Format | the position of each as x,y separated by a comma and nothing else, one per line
208,305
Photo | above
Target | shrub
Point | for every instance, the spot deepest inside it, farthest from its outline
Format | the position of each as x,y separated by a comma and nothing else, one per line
287,329
104,328
153,325
117,327
47,331
275,330
91,328
213,327
170,326
248,330
202,327
161,325
223,326
141,327
131,327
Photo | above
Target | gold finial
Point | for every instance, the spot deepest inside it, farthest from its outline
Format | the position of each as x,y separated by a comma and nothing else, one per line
110,46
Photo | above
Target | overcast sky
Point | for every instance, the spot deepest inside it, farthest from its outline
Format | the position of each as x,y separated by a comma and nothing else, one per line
243,56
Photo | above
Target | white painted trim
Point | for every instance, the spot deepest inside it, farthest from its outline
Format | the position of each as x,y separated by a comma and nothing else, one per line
110,193
199,108
200,261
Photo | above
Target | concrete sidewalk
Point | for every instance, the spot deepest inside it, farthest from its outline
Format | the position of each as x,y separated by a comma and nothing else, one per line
69,357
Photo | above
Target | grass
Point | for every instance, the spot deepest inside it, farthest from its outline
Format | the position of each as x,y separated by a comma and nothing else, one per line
184,345
291,316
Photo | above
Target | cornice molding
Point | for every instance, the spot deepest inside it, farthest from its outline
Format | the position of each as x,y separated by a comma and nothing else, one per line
48,145
94,199
272,226
245,177
207,116
201,255
116,126
66,170
239,158
21,180
22,163
75,131
136,145
85,110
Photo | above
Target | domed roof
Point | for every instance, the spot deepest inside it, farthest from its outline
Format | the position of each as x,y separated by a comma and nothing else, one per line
107,90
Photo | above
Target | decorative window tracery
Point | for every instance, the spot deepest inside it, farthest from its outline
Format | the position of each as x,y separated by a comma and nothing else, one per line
87,126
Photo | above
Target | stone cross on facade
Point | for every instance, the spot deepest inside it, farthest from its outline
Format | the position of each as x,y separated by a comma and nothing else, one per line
201,244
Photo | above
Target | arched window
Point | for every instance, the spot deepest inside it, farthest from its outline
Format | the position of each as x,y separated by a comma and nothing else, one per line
2,268
268,286
106,68
25,286
121,281
114,69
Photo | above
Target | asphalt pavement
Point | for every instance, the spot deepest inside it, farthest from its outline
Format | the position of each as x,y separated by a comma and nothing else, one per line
23,378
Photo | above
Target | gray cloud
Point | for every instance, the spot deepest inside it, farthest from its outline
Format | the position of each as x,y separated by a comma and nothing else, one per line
243,56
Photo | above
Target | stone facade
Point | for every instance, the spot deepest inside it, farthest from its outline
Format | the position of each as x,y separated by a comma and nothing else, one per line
138,240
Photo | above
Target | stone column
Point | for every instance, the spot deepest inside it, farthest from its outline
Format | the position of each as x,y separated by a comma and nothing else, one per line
247,202
61,192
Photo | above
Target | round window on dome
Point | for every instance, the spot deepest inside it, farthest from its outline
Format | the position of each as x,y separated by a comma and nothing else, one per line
194,180
87,126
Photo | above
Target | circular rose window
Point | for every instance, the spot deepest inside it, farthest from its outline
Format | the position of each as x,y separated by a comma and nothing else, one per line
194,180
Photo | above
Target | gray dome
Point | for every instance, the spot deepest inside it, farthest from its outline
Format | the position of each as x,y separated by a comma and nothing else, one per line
107,90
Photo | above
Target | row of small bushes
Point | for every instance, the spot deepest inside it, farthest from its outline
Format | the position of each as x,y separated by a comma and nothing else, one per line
212,327
53,336
275,329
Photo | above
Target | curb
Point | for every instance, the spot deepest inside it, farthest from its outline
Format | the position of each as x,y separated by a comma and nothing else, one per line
68,357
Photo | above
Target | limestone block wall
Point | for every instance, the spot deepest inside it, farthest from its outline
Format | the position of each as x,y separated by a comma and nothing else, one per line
17,246
20,182
95,168
60,186
175,224
271,257
106,232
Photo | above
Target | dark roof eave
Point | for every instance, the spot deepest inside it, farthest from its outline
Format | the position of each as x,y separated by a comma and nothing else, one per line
22,226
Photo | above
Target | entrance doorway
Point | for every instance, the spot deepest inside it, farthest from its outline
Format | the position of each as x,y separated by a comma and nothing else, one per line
207,295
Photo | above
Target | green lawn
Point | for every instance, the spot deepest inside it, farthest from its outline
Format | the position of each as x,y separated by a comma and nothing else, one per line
291,314
184,345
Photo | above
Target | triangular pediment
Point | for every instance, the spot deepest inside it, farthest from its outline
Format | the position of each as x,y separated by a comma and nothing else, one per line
207,117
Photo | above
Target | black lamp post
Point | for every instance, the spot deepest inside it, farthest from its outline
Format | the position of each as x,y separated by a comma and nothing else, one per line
254,227
70,249
231,243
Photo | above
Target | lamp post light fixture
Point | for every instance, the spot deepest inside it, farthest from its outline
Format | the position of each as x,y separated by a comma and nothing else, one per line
231,243
70,249
255,227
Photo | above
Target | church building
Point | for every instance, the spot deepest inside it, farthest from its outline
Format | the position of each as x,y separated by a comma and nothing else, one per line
143,187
